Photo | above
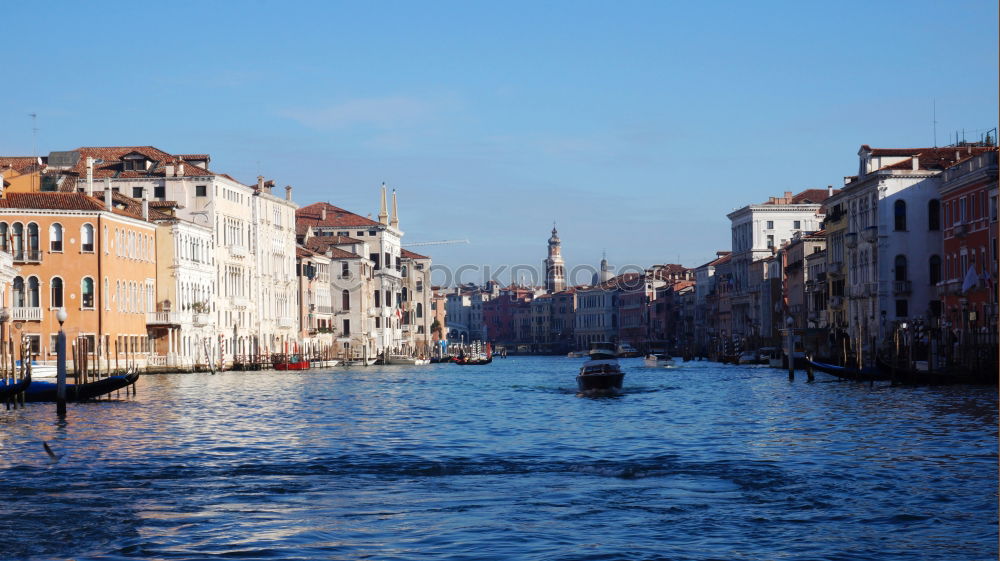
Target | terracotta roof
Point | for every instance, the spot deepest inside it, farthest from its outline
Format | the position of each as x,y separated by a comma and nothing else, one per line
814,196
51,201
20,164
411,255
938,158
336,217
132,206
112,157
303,252
338,253
322,244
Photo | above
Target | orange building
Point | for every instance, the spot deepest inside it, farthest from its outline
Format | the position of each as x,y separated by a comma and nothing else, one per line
96,259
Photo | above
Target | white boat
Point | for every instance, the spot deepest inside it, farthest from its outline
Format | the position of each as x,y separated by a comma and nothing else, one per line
407,360
359,362
658,360
749,357
627,351
324,363
41,370
576,354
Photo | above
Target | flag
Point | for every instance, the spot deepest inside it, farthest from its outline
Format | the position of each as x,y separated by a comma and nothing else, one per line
971,279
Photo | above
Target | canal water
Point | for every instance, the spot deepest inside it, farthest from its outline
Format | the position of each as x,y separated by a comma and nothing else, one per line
505,461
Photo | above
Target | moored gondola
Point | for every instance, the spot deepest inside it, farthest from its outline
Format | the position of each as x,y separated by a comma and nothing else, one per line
46,391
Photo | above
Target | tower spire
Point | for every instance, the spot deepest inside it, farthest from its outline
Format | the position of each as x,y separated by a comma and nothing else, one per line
383,216
394,222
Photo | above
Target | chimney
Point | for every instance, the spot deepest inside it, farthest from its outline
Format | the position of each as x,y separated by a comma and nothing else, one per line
788,197
107,200
89,189
829,190
260,182
916,163
322,213
145,208
1,185
180,169
168,170
288,192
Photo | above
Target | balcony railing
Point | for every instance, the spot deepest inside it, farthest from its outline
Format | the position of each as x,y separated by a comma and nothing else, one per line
902,287
960,230
286,322
237,250
28,256
165,318
26,314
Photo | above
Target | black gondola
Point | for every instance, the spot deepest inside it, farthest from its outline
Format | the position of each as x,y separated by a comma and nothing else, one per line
9,391
46,391
849,373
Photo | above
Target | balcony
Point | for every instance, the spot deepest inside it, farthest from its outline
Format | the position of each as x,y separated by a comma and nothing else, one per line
902,287
870,234
960,230
29,256
239,302
406,328
166,318
237,250
286,322
851,239
26,314
200,320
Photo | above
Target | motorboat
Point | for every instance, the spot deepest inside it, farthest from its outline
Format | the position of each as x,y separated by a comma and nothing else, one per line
39,370
601,373
658,360
290,362
407,360
627,351
577,354
325,363
748,357
359,362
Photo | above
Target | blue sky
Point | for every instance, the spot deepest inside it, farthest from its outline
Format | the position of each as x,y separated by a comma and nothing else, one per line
636,126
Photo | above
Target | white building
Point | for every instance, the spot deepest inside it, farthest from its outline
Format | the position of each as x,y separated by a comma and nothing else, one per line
757,230
891,236
417,316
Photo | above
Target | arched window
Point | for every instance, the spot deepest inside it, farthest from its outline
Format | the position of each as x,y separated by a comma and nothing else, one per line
935,270
87,290
18,294
404,271
33,298
345,300
56,237
33,242
934,215
56,293
87,239
405,295
3,237
899,211
901,267
420,310
107,294
17,239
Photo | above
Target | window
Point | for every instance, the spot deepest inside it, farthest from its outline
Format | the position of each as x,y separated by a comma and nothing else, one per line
388,299
797,224
33,297
934,215
18,292
137,192
374,258
33,242
3,237
378,298
87,293
347,328
160,192
345,270
900,267
770,224
420,310
899,212
200,190
935,270
345,300
55,237
34,343
361,234
87,237
56,291
770,240
902,308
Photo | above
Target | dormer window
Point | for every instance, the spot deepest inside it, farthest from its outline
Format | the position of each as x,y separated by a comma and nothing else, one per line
135,162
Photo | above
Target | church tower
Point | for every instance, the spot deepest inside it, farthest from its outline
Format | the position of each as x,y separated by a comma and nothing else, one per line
555,269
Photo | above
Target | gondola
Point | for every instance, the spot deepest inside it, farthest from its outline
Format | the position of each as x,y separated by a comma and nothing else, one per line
46,391
9,391
849,373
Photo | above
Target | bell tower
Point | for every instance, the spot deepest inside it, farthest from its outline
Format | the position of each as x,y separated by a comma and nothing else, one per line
555,269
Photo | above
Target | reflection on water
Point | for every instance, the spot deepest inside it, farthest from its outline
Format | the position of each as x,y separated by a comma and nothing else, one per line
505,461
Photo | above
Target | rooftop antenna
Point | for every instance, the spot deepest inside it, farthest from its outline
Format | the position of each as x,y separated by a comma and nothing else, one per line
34,144
935,122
